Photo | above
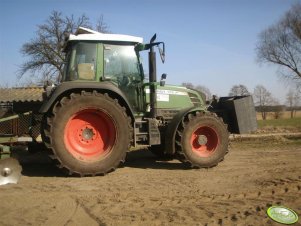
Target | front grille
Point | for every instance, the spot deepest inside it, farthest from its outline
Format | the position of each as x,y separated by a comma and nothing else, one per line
194,99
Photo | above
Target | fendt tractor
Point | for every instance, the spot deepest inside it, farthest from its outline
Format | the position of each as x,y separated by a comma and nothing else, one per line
103,107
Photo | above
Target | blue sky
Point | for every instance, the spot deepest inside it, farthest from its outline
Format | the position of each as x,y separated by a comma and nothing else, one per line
208,42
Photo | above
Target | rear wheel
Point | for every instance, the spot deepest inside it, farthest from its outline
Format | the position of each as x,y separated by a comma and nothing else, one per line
202,140
88,133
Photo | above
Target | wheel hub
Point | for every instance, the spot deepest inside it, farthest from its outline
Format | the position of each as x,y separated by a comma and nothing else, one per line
87,134
202,140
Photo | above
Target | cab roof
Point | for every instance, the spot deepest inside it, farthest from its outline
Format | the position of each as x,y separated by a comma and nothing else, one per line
91,35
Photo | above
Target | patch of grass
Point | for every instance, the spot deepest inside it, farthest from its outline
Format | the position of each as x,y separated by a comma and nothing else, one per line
280,123
280,142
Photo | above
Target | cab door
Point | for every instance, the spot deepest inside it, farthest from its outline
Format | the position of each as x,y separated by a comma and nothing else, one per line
121,66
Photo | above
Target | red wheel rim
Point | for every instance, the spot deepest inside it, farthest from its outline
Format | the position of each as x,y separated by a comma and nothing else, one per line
89,135
204,141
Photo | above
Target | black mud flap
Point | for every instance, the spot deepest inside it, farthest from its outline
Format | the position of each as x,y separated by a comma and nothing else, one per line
238,113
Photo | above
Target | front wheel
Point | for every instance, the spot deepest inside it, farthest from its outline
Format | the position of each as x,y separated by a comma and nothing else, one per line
201,140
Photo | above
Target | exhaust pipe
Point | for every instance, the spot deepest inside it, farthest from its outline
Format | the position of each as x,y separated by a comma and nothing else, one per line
152,78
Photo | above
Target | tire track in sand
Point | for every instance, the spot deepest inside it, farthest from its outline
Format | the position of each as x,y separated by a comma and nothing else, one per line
69,211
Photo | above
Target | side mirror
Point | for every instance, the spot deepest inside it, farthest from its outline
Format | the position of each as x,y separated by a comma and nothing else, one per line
163,78
153,38
162,54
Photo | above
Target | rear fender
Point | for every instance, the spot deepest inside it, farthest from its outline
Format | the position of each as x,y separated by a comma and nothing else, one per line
67,88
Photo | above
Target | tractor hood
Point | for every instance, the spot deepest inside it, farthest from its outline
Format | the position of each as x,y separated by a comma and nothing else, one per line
176,97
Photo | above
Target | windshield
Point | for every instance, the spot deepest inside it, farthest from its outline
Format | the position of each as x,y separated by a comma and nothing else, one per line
81,62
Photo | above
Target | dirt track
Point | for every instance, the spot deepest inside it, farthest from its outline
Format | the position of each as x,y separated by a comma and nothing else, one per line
254,176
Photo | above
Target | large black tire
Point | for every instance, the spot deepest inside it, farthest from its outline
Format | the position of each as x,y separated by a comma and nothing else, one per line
158,151
201,140
88,133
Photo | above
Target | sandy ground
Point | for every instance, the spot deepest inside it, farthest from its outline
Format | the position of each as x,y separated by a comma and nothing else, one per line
146,191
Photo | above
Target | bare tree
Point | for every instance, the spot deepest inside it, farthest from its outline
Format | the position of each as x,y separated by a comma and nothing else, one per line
276,108
239,90
281,44
101,25
204,90
262,98
200,88
45,51
188,85
293,99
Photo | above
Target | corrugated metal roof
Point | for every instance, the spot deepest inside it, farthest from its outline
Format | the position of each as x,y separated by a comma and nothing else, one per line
24,94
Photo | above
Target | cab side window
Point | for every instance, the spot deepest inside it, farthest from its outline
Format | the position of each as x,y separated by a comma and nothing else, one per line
83,61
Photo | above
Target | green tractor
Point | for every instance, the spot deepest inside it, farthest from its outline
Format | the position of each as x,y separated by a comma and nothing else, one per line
103,107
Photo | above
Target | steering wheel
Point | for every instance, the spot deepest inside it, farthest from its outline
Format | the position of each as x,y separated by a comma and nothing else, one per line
127,80
123,80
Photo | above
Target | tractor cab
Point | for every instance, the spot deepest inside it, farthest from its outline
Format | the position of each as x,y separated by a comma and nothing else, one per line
96,57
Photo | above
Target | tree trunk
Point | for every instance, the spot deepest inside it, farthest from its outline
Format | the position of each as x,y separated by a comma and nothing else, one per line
263,114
